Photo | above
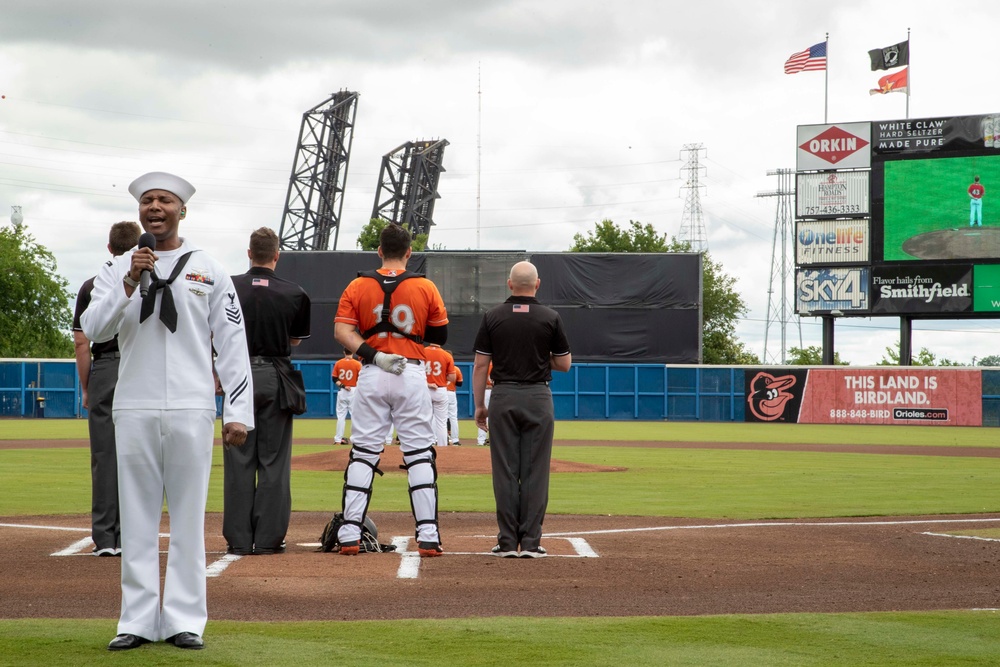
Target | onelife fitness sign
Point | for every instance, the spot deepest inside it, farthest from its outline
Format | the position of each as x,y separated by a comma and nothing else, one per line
840,146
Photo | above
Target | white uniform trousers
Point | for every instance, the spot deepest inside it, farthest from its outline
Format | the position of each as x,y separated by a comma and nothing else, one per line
482,435
381,401
345,396
439,414
163,455
453,415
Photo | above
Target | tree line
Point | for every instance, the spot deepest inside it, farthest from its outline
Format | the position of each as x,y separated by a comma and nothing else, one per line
36,311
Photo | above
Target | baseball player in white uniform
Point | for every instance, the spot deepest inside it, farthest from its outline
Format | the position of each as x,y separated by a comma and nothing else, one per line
164,409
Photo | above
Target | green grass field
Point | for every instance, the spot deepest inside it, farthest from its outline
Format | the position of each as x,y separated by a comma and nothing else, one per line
928,195
665,482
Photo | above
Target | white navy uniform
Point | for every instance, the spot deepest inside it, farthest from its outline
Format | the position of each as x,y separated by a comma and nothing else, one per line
164,413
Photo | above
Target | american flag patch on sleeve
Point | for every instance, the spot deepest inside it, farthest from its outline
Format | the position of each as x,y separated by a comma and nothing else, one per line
521,307
259,282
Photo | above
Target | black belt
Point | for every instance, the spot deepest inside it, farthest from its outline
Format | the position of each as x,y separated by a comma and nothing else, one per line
496,382
266,360
108,355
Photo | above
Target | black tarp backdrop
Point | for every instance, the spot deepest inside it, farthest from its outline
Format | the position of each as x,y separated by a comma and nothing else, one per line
617,307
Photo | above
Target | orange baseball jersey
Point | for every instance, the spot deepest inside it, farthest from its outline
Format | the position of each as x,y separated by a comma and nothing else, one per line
439,365
489,376
453,386
416,305
346,371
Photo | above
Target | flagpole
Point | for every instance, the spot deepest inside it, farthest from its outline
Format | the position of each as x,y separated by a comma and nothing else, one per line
909,73
826,81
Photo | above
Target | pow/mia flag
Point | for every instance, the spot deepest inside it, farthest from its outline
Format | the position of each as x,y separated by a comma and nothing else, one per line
896,55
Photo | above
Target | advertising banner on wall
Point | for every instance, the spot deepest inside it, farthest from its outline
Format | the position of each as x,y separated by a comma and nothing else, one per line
822,290
924,397
841,194
986,288
840,146
832,241
921,289
921,135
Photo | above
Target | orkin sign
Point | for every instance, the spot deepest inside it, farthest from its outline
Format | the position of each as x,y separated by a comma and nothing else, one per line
841,146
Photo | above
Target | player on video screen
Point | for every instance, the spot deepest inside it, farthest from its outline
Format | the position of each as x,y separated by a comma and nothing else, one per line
976,192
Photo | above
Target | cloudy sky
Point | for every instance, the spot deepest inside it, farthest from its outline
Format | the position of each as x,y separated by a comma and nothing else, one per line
586,108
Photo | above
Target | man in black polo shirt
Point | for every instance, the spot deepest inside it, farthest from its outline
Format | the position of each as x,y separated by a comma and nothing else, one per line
526,342
257,491
97,366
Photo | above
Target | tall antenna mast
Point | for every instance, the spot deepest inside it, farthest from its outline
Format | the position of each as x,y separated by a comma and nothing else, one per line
780,309
692,220
479,150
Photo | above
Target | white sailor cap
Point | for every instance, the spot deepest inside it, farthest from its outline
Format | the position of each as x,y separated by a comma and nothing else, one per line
160,180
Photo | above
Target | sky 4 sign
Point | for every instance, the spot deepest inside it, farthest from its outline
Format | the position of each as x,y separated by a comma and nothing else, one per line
840,146
828,289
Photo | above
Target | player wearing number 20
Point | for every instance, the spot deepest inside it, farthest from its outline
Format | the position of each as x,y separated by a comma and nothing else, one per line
345,376
440,368
386,318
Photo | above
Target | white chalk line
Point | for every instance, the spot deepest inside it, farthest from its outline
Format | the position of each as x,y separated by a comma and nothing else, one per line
775,524
409,561
963,537
25,525
218,567
83,547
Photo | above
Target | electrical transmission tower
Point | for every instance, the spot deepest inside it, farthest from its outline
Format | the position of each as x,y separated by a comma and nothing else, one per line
319,174
692,221
408,182
780,308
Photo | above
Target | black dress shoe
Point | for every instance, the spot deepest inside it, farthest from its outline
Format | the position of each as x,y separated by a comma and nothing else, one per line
186,640
126,642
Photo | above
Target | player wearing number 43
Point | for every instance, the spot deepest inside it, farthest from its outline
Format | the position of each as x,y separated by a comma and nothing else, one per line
440,367
386,317
976,192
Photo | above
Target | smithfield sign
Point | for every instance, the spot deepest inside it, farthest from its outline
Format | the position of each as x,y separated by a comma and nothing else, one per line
840,146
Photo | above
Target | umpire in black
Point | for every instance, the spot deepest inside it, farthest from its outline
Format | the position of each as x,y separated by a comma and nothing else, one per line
97,366
526,342
257,490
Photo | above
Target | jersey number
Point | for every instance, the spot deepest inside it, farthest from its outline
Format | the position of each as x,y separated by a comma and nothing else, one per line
433,368
401,316
345,374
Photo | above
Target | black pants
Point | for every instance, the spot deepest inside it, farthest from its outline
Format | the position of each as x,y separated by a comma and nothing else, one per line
522,421
105,523
257,491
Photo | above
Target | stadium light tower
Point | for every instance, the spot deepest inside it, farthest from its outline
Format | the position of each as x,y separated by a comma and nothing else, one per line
319,175
408,184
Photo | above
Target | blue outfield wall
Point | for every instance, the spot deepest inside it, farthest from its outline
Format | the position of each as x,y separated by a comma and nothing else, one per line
650,392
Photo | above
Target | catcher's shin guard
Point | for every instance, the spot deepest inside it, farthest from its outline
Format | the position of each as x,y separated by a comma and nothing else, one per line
421,474
358,478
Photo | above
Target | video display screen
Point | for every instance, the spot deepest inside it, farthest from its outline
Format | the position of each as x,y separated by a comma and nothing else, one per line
934,209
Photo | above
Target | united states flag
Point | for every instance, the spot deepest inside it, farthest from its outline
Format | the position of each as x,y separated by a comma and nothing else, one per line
812,59
521,308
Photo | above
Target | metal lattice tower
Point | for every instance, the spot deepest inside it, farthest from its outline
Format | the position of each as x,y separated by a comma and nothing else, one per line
319,174
408,182
781,308
692,221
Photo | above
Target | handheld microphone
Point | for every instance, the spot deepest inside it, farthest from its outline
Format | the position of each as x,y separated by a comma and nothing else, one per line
147,240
